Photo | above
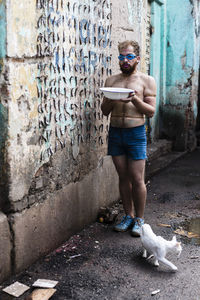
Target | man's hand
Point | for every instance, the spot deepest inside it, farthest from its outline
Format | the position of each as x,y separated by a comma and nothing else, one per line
130,97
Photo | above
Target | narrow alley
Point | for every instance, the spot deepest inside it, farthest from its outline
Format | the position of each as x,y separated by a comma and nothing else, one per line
98,263
55,171
55,174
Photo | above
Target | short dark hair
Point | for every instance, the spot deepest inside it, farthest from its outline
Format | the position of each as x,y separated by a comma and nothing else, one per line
125,44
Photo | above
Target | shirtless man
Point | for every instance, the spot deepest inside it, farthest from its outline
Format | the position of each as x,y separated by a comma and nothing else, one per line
127,135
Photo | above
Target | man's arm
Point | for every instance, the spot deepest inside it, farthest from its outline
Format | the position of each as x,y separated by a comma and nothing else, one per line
107,104
148,104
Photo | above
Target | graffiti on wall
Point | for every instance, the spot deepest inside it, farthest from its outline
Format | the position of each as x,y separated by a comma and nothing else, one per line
74,52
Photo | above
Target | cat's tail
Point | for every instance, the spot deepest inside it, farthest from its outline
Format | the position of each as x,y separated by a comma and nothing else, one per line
177,245
174,238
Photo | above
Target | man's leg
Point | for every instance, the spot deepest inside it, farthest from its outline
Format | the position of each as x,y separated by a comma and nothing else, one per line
136,171
125,185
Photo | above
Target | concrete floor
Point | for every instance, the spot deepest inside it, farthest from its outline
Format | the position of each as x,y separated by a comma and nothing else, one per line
99,263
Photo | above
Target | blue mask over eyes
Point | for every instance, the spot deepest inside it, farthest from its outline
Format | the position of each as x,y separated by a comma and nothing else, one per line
128,56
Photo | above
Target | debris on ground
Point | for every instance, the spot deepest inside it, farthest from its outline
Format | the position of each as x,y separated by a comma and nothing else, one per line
16,289
45,283
116,270
41,294
185,233
70,245
155,292
197,196
107,215
164,225
43,289
74,256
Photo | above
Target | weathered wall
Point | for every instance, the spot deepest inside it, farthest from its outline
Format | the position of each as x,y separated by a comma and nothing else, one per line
58,55
55,88
158,61
54,56
196,79
130,22
3,106
5,235
179,111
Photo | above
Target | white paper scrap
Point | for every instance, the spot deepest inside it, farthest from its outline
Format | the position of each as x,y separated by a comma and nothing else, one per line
155,292
45,283
73,256
16,289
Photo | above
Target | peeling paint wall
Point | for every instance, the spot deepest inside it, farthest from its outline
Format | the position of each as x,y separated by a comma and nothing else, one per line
157,60
196,77
58,55
55,75
129,22
5,243
54,57
3,29
3,108
180,108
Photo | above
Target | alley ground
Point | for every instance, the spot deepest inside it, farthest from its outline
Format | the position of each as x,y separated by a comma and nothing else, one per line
99,263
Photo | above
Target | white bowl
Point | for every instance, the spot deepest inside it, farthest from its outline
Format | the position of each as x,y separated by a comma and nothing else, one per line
115,93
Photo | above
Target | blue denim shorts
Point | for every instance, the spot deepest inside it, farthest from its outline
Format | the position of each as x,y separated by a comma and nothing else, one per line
131,142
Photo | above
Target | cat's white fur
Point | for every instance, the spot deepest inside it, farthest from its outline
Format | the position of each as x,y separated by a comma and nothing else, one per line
158,247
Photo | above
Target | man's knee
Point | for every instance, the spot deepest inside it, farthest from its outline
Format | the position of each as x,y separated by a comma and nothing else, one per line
138,182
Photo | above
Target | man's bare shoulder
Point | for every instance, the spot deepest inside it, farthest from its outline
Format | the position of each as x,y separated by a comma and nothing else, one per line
146,78
149,85
110,80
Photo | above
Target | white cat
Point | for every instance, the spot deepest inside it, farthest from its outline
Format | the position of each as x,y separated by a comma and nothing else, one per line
158,247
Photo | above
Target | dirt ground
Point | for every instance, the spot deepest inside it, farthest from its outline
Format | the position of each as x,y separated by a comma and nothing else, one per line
98,263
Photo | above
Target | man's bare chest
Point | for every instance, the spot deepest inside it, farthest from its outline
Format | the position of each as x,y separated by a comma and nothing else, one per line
130,84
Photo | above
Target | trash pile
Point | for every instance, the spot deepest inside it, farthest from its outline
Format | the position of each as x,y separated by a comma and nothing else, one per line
42,289
109,215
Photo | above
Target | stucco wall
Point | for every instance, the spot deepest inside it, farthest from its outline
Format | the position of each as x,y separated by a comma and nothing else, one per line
58,54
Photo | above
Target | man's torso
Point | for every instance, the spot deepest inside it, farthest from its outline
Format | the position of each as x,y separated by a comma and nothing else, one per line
126,115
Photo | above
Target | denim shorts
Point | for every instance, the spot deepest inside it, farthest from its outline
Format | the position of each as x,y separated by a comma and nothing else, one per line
131,142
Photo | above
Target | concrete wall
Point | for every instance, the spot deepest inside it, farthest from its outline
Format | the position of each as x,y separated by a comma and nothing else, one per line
55,57
179,110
